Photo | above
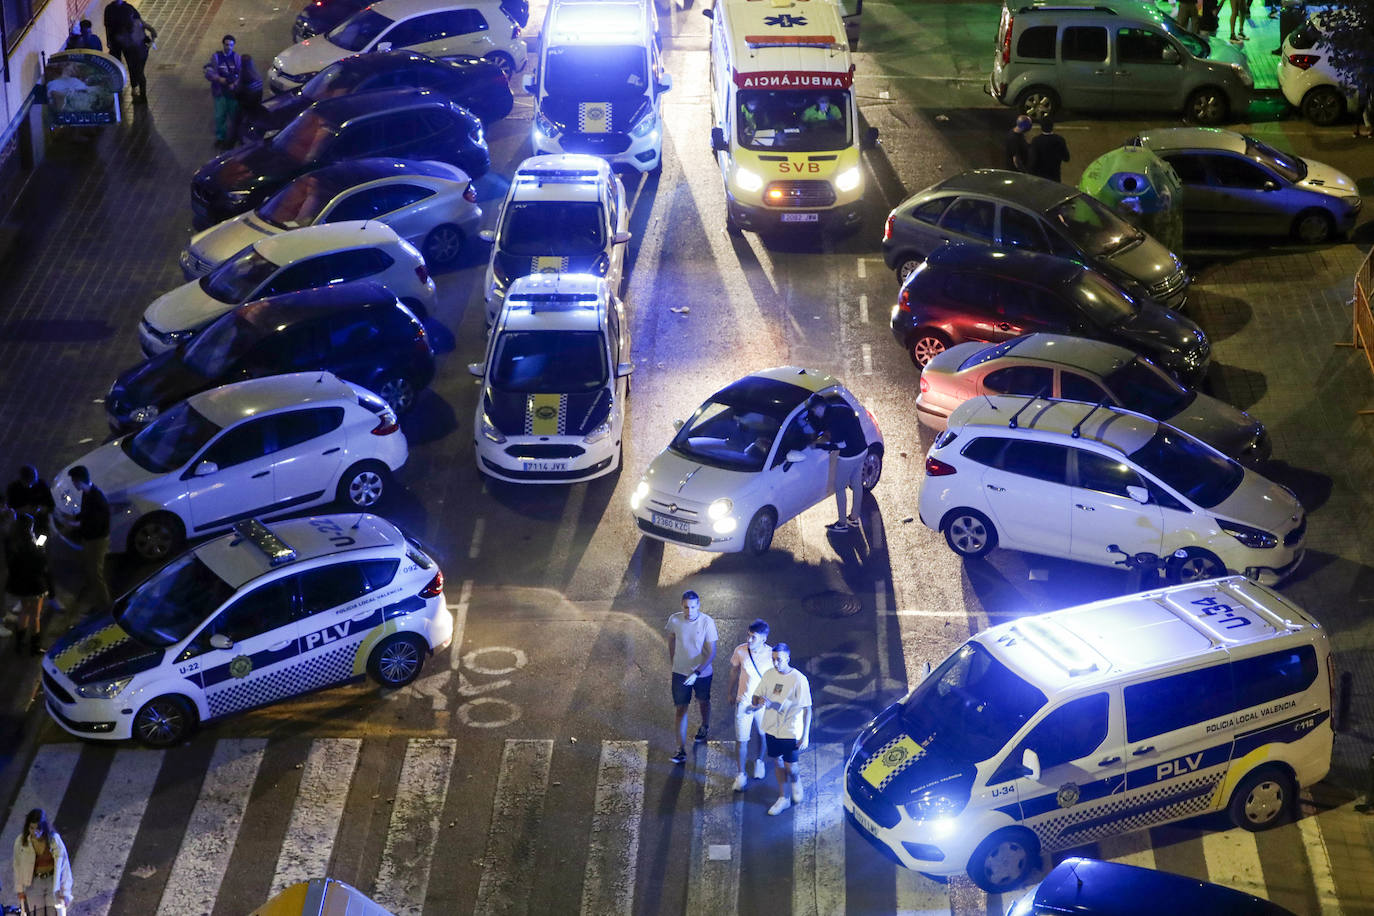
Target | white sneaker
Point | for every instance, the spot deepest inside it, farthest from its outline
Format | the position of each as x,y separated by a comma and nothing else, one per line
740,782
797,794
780,805
759,771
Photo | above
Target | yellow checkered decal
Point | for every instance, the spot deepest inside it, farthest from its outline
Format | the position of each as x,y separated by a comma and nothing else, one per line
548,265
546,414
98,643
594,117
893,757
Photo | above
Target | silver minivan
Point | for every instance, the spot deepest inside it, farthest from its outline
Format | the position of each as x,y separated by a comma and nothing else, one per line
1122,56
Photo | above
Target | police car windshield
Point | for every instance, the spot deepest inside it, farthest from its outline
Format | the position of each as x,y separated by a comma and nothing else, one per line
299,203
736,437
1204,476
549,362
168,607
234,281
970,707
551,228
171,440
593,73
358,30
793,120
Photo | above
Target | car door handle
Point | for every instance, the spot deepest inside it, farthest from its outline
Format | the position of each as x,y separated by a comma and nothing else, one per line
330,451
1147,749
361,616
1099,73
261,474
1084,508
1003,326
996,489
1108,761
1123,73
277,647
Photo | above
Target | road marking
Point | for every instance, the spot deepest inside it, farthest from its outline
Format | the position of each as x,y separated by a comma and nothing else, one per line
517,813
318,811
517,660
403,874
459,610
98,866
713,874
818,875
608,884
44,785
863,269
863,308
502,713
1319,863
866,355
478,527
923,613
917,895
1128,849
1232,858
209,840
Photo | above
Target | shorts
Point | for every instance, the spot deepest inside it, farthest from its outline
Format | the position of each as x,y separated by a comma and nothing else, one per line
748,719
786,748
682,693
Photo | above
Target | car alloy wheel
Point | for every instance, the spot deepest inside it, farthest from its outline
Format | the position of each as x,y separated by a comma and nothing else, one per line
1195,566
157,537
365,487
398,391
443,245
1313,227
1323,106
397,660
969,533
163,722
503,61
1039,102
758,537
1207,106
872,470
926,346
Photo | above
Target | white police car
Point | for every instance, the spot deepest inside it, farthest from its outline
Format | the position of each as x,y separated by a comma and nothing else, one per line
555,382
248,619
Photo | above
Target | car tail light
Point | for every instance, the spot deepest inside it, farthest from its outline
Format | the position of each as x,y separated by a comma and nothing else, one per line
925,384
515,31
470,194
422,273
937,468
435,588
1303,61
421,341
904,300
1006,42
386,424
887,227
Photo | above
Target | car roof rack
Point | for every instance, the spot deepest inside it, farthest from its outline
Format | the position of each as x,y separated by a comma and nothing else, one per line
260,536
1078,426
1011,424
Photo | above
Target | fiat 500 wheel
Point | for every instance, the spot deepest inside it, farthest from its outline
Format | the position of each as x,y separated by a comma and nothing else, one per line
758,537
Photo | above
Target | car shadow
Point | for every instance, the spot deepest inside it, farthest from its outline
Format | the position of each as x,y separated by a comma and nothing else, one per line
641,191
1220,316
1312,488
431,419
1240,387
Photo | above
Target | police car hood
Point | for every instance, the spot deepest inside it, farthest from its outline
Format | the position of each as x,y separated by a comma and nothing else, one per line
514,266
587,115
517,413
907,768
99,649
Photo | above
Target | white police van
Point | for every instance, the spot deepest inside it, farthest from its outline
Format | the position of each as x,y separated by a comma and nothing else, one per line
248,619
1057,730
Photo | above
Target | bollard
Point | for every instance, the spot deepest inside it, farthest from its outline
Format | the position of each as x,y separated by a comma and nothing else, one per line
1342,710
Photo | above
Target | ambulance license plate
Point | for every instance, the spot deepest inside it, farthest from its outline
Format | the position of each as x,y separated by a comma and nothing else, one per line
801,217
545,465
672,524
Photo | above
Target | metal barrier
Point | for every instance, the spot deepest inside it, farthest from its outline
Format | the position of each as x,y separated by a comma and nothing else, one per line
1362,334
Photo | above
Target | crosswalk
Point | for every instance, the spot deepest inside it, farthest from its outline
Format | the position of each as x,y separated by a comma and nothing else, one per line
136,849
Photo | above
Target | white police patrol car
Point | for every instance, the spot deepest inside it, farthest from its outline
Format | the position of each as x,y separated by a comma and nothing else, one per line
555,382
247,619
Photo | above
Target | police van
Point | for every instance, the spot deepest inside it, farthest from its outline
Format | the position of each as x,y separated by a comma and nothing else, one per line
785,125
600,81
1057,730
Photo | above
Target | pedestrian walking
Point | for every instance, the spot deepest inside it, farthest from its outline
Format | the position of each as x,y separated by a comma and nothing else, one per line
249,97
1240,11
29,494
1364,115
224,70
119,20
141,38
1048,152
784,694
1015,145
93,534
83,39
27,563
747,663
1187,15
691,648
42,871
842,435
1209,18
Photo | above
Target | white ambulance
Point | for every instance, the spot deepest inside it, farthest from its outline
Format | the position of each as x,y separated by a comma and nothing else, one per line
785,126
1057,730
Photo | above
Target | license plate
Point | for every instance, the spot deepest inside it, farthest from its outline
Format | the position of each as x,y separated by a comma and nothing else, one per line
672,524
801,217
864,822
545,465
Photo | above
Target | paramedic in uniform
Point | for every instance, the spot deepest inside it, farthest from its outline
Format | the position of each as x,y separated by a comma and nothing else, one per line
821,112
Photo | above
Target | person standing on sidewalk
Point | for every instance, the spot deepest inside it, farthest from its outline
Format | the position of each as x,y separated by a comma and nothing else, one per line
1015,146
1048,152
119,17
843,436
141,38
83,39
93,531
224,70
42,870
691,647
747,663
28,581
784,694
1187,15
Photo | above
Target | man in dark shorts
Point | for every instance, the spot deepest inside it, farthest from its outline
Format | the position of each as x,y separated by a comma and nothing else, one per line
785,695
1017,146
691,647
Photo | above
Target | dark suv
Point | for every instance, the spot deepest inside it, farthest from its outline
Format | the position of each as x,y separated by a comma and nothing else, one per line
397,123
968,292
359,331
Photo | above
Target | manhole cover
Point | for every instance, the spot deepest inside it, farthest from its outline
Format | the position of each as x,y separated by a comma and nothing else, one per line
832,604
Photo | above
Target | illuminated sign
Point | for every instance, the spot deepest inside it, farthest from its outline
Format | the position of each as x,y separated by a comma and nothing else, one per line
794,79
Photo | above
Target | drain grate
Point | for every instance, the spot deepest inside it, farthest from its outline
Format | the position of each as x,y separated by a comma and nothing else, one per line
832,604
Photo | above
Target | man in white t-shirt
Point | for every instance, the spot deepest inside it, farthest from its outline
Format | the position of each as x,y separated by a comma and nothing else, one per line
747,664
784,694
691,647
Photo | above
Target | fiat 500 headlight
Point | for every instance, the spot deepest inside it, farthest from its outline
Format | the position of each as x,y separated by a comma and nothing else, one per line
637,497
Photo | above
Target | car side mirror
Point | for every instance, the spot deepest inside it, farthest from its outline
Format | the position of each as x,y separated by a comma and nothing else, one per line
220,641
1170,55
708,12
206,468
621,238
1139,494
624,369
869,139
268,135
665,82
1271,185
793,457
487,235
476,369
678,424
718,140
530,84
382,47
1030,762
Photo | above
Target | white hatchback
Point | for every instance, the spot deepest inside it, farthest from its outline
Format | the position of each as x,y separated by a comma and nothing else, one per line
256,448
1308,80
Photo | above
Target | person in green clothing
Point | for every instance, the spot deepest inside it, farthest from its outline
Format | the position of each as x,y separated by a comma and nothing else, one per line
821,111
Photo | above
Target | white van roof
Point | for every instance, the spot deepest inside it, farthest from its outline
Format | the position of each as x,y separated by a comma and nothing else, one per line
788,36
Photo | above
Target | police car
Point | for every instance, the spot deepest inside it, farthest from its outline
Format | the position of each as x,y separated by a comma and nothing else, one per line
555,382
562,214
248,619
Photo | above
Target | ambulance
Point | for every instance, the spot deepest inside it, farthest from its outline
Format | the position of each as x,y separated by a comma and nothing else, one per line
786,130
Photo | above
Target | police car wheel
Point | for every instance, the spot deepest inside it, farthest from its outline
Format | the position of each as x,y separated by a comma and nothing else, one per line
164,721
969,533
363,485
157,536
1263,800
758,537
397,660
1004,860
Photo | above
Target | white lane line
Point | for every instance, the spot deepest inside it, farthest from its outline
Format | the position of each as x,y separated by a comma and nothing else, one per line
517,812
818,877
209,840
713,869
1319,863
863,308
479,527
923,613
863,268
917,895
1233,859
44,785
608,884
98,866
318,810
403,874
459,609
866,355
1128,849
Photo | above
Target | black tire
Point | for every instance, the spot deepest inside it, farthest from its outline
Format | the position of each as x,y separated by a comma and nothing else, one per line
924,344
907,262
1263,800
1194,566
164,721
1039,102
1323,106
1313,227
443,245
1004,860
364,485
758,537
969,533
873,467
398,391
157,537
1208,105
397,660
504,106
504,61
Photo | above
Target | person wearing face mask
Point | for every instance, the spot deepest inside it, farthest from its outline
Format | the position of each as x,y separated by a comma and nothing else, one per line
784,695
42,871
749,661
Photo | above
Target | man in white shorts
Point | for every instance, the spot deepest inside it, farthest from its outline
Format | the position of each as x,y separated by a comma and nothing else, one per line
784,694
747,664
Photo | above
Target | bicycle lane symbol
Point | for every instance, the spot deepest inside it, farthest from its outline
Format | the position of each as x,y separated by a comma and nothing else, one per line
475,706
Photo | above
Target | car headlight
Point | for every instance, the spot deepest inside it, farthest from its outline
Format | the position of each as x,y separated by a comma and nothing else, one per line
720,508
172,338
1244,74
596,435
545,126
933,806
103,690
637,497
848,180
644,126
144,414
725,525
237,197
1251,537
1353,201
490,432
747,180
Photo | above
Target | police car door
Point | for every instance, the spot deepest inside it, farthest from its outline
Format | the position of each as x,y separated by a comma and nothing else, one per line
1077,796
246,653
343,607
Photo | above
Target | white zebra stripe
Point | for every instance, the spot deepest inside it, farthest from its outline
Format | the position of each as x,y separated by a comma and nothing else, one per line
1319,861
44,786
98,866
214,827
818,884
608,885
318,810
917,895
1232,858
713,880
516,812
403,875
1128,849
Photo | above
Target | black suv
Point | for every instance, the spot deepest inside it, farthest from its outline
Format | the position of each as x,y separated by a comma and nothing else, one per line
359,331
397,123
971,292
476,84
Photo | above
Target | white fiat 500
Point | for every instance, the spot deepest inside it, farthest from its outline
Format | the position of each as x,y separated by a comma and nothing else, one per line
746,462
247,619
